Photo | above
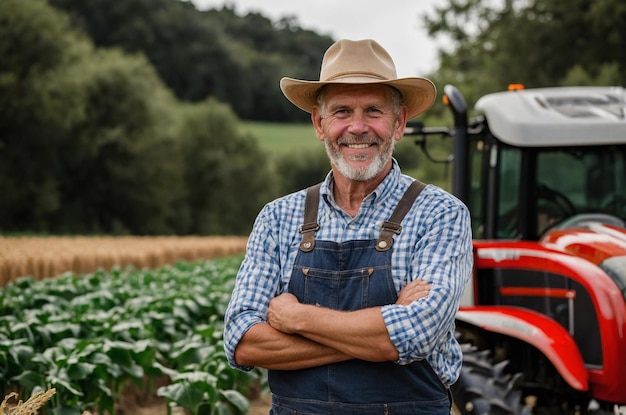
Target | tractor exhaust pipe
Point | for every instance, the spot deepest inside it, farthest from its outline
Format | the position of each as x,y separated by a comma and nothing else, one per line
460,174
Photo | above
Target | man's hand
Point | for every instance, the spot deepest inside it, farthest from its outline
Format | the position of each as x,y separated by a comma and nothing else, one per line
413,291
281,312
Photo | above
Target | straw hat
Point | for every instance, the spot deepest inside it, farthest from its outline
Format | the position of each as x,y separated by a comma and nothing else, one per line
360,62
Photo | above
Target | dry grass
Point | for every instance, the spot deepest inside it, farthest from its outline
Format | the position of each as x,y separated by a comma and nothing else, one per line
48,257
30,407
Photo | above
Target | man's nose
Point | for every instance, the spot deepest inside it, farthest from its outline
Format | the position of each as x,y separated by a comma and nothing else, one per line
358,123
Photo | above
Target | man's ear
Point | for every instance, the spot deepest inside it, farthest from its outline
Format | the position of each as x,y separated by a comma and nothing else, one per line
401,124
316,119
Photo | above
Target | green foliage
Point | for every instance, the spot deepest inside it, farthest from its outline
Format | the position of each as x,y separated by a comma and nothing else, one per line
33,44
227,175
608,74
88,336
298,170
118,159
406,152
91,141
537,43
236,59
80,134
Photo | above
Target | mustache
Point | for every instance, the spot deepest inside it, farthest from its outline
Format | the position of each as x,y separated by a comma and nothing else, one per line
347,140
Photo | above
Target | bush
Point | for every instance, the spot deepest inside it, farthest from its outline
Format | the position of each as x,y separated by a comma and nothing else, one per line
299,171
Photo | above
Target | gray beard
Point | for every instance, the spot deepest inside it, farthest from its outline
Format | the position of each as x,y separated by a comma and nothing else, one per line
360,174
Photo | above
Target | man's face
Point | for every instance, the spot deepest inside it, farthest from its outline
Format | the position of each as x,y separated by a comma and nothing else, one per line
359,128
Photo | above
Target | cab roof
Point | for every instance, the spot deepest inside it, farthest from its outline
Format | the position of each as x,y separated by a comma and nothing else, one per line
560,116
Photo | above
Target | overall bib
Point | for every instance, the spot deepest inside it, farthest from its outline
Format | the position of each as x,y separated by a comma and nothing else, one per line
350,276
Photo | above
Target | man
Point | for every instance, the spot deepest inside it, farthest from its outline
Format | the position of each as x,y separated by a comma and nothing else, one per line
348,290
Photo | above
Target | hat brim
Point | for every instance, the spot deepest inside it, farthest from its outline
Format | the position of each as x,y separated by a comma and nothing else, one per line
418,94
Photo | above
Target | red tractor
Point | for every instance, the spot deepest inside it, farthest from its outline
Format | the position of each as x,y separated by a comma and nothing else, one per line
543,321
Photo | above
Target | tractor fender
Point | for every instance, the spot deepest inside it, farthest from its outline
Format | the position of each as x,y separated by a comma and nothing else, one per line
536,329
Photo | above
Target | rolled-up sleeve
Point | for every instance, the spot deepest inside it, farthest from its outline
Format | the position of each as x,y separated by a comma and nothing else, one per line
257,283
443,257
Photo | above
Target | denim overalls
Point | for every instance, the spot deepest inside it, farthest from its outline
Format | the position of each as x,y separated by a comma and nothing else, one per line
349,276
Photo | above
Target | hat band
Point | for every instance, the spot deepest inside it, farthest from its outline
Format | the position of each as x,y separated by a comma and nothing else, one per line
367,77
356,78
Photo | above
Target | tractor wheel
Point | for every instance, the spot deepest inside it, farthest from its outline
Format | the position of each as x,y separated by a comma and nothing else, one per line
484,388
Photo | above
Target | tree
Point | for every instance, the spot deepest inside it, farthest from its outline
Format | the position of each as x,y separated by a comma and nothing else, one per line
534,42
35,113
227,178
120,165
83,132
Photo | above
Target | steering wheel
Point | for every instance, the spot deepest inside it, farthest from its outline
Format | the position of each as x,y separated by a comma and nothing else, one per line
557,199
556,205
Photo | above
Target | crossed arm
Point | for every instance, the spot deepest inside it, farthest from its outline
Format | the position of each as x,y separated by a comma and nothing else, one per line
299,336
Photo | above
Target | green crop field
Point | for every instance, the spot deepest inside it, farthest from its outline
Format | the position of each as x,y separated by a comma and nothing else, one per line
89,335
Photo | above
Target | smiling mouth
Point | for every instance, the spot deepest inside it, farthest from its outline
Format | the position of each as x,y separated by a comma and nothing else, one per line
358,146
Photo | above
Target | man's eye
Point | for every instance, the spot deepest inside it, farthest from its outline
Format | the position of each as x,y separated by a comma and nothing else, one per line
374,112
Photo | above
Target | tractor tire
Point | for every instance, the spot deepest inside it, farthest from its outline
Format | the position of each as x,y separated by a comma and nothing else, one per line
484,388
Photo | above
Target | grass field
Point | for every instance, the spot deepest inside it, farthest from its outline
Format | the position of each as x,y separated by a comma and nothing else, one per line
280,139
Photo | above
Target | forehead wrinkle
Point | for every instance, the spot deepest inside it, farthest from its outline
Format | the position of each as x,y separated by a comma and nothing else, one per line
359,102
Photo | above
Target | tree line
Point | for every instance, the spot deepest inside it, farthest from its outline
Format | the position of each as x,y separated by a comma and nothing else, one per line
239,59
123,117
92,140
236,59
538,43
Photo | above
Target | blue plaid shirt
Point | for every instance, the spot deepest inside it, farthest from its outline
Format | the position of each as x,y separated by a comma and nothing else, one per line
435,245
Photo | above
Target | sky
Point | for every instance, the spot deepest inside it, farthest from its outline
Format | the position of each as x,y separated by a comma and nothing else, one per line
395,24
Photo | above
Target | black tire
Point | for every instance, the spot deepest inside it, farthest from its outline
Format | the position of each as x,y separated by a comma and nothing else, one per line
484,388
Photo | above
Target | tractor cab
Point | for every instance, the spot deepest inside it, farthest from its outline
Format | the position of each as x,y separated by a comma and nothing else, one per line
532,160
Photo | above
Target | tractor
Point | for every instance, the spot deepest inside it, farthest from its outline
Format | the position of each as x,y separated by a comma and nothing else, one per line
542,323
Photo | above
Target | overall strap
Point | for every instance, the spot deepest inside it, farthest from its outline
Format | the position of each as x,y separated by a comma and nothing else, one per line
392,226
311,205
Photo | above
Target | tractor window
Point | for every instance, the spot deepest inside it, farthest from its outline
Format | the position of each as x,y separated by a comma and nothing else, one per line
478,187
509,179
580,180
560,187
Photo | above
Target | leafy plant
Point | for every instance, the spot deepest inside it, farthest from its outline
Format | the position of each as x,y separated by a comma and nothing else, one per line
88,336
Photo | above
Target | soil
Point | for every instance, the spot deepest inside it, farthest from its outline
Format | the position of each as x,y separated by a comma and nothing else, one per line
259,406
134,401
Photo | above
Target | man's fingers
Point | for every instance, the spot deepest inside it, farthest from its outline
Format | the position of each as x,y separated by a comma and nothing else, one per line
413,291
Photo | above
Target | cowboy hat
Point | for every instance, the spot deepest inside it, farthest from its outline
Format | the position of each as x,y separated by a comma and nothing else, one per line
360,62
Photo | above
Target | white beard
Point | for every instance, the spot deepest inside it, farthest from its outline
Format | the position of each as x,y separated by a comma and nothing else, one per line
364,173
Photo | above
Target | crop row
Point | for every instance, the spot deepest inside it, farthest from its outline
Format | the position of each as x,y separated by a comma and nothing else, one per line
89,336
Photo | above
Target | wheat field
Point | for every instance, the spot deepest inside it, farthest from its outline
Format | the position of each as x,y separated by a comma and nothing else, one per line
44,257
